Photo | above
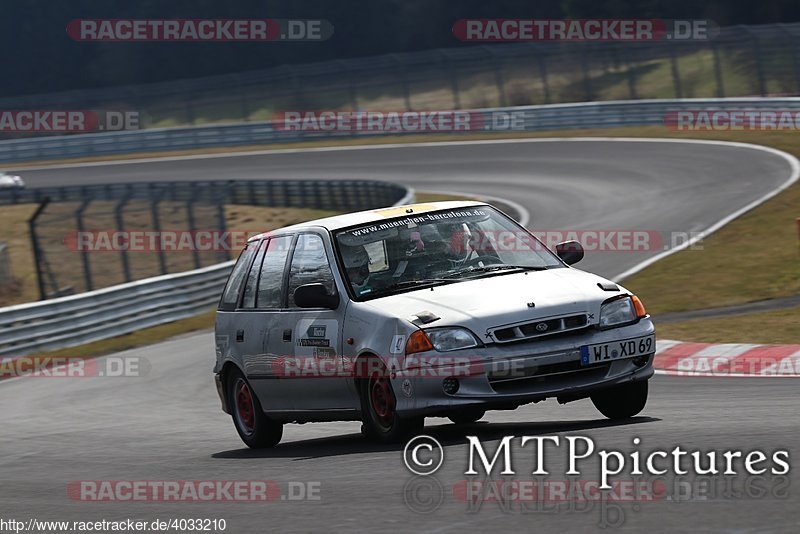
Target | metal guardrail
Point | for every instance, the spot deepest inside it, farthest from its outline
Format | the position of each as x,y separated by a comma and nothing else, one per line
341,195
122,309
110,312
534,118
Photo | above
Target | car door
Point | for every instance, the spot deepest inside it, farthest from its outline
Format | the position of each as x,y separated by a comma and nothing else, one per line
319,382
262,302
229,333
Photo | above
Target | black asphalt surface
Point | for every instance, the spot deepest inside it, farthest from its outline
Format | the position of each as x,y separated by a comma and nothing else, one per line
166,424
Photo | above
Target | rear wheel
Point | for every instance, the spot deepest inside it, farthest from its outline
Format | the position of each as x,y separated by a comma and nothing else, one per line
254,427
466,416
621,402
378,406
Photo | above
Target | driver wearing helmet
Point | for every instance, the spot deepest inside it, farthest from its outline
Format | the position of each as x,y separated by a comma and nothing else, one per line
356,263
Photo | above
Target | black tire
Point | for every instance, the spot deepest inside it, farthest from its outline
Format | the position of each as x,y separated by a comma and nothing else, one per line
380,419
256,429
464,417
621,402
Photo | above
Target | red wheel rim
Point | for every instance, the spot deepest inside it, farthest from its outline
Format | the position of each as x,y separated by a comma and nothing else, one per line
382,400
244,407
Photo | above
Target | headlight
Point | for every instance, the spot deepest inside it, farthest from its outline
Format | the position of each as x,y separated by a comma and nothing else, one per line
617,312
446,339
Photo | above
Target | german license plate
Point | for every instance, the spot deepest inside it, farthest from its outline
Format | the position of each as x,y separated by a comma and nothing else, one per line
617,350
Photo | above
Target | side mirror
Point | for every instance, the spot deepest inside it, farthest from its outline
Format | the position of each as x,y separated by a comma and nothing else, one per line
315,296
570,252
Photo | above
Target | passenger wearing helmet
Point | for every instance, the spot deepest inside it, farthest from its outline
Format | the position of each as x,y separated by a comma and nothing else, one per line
356,263
457,236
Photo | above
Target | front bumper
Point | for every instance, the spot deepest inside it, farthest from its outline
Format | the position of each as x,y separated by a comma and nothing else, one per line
545,368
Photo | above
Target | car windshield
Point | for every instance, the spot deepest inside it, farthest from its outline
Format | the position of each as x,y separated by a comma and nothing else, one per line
433,248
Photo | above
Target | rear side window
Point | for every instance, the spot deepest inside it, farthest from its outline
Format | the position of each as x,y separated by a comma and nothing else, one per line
250,287
270,282
230,297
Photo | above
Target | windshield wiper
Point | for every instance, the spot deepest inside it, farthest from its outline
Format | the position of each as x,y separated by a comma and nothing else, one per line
494,268
411,283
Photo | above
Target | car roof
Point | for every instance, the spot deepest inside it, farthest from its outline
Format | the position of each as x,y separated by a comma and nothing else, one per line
337,222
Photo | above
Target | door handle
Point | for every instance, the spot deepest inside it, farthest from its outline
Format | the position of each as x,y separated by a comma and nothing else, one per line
287,335
240,335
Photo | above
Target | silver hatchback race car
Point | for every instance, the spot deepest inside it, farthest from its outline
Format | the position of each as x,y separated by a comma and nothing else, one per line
444,309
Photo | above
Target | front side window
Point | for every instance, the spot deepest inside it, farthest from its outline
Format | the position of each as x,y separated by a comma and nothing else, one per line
309,265
445,246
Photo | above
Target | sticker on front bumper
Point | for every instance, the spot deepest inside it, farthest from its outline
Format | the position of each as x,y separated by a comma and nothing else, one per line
618,350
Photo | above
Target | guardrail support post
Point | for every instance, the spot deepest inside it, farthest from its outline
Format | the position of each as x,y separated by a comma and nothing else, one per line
222,227
497,62
762,85
87,268
587,80
192,229
543,73
402,77
126,268
155,199
451,70
37,251
676,75
718,71
352,91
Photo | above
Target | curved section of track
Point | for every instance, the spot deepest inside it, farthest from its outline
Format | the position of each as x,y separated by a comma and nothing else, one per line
663,186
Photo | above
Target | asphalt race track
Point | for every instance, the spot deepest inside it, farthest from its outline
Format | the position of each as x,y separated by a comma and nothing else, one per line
166,425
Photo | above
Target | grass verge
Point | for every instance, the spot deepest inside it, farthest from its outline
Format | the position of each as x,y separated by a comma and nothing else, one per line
780,326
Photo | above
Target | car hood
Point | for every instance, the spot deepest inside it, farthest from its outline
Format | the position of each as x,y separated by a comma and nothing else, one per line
503,299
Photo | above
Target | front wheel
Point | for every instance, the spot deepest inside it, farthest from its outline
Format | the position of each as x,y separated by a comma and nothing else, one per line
378,408
254,427
621,402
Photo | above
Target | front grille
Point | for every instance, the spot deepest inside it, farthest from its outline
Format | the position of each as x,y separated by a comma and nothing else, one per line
551,377
536,370
540,328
